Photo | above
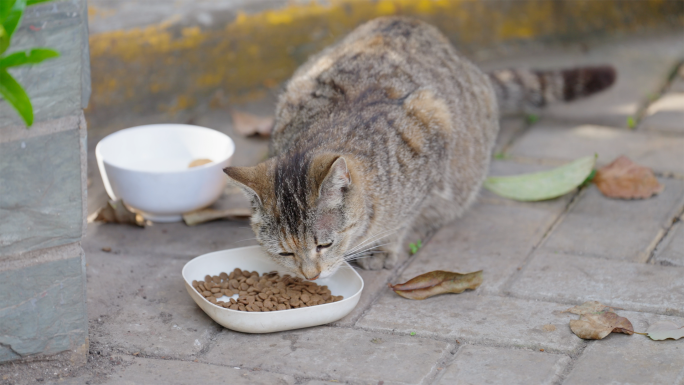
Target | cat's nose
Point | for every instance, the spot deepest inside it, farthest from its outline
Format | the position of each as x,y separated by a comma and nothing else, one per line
314,278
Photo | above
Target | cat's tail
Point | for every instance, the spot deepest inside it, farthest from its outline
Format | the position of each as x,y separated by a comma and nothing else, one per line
521,90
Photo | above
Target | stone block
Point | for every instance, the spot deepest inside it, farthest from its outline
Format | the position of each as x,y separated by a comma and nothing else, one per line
670,251
61,26
642,65
493,238
625,230
509,129
171,239
492,365
473,318
373,283
138,303
43,193
138,370
665,114
563,142
574,279
331,353
635,359
42,309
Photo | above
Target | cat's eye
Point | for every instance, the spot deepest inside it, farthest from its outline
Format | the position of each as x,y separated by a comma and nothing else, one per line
287,254
319,247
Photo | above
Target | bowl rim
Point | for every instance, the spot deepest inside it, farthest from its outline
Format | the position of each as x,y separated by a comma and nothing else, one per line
99,156
189,284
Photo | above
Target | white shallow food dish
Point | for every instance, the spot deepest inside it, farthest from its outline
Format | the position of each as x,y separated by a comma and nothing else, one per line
345,282
147,167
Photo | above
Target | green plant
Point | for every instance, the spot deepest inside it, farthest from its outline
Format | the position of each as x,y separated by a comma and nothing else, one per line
631,123
532,118
415,246
11,12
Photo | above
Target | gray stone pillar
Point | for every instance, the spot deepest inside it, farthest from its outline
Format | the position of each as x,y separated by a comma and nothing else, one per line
43,191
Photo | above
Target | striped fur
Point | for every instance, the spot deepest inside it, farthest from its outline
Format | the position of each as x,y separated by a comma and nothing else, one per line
519,90
390,129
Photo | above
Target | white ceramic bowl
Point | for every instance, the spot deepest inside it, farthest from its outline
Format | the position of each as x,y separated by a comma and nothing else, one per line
147,167
345,282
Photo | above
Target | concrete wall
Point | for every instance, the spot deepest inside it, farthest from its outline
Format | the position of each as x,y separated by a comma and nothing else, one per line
43,191
163,57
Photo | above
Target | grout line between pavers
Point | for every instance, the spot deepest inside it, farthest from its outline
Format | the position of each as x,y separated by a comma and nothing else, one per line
506,287
645,103
563,375
678,217
441,365
397,271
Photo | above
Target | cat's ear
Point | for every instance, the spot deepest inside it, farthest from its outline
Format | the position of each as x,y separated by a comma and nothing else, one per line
250,179
335,184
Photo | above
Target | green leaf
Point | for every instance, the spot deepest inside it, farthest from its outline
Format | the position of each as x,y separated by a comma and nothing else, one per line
532,118
16,96
34,56
14,16
542,185
5,7
34,2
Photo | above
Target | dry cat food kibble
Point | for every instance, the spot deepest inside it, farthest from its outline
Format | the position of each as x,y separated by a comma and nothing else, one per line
269,292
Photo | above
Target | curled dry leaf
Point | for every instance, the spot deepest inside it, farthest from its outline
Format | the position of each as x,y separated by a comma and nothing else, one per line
437,282
117,212
625,179
248,124
597,321
663,330
206,215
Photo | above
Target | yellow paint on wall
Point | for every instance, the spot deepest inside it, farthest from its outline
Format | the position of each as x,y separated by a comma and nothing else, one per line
193,62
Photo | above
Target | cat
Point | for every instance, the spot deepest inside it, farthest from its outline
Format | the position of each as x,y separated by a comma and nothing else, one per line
388,130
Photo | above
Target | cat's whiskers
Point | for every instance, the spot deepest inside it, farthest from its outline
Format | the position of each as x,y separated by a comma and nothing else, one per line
373,238
353,256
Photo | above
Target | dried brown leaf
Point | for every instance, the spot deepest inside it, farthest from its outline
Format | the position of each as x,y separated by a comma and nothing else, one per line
117,212
597,326
625,179
206,215
248,124
589,307
437,282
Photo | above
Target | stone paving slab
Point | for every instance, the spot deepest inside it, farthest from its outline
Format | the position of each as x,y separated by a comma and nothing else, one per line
566,142
635,359
665,115
642,66
493,238
145,371
173,239
492,365
617,229
576,279
329,353
509,129
373,282
477,319
138,303
671,250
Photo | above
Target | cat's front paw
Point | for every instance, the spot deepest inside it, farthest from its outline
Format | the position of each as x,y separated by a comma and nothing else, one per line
378,261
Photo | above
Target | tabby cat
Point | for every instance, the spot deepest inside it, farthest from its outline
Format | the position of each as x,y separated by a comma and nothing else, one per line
388,130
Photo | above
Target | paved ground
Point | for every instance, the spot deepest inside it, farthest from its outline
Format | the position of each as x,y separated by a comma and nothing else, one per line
538,259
